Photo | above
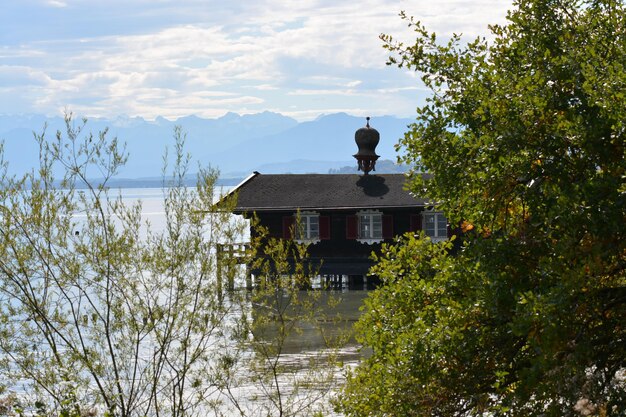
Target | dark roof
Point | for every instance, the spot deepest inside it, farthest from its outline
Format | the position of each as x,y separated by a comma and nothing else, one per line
261,192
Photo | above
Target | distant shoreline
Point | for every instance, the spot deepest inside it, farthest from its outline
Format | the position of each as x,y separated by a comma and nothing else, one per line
157,182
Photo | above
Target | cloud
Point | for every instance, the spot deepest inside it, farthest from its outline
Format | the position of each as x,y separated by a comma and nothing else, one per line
56,3
324,93
153,58
16,76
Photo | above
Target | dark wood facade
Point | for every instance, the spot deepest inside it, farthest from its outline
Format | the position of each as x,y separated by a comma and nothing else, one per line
350,215
341,250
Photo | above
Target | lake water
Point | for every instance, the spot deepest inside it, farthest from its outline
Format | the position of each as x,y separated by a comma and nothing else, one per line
304,353
153,212
299,347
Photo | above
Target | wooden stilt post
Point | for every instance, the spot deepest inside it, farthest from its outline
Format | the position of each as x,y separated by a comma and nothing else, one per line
230,273
249,283
219,258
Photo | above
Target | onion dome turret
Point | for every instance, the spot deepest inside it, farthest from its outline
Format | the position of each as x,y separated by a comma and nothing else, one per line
366,139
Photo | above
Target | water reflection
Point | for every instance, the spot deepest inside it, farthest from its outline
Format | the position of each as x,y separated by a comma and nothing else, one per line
293,360
329,327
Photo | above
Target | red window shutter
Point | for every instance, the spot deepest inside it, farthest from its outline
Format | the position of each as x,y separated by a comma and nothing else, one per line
324,227
289,222
387,226
352,227
416,223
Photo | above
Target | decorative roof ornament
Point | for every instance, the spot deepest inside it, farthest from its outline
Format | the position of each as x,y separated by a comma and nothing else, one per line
366,139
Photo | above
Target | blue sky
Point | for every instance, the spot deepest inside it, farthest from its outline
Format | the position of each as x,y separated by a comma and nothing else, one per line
173,58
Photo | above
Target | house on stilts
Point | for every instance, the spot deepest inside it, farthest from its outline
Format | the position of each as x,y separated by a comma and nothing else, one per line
343,218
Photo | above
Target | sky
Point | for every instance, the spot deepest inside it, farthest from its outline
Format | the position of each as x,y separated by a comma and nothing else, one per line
175,58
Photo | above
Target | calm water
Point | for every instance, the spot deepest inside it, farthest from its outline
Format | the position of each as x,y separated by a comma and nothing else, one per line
347,302
300,346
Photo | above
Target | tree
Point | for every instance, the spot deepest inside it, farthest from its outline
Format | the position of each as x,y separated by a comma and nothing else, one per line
280,309
101,314
524,136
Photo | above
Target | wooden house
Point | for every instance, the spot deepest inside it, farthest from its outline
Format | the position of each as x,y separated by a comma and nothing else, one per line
343,218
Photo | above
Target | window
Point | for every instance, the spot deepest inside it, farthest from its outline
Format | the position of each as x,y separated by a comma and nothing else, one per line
435,226
308,226
370,225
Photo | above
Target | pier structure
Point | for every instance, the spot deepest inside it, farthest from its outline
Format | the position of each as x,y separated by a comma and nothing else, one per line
342,218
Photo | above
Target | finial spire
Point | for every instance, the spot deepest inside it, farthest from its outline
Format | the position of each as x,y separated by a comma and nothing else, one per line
366,139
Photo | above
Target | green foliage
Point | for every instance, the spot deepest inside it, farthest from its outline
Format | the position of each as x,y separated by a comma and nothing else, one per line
277,314
99,314
400,334
524,137
102,315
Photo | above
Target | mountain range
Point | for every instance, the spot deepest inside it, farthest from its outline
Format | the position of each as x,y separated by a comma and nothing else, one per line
235,144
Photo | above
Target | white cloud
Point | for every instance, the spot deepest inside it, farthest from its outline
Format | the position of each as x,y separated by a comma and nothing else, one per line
259,55
265,87
324,93
15,76
56,3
